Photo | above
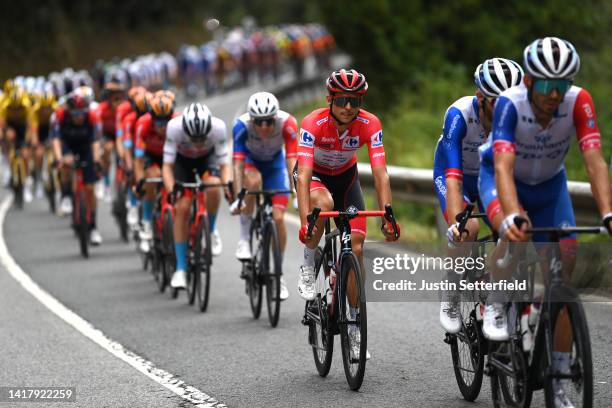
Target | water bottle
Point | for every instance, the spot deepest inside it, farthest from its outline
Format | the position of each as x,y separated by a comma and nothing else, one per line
526,333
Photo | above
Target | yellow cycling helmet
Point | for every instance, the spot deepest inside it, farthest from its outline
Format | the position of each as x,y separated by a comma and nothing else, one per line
9,85
47,99
18,97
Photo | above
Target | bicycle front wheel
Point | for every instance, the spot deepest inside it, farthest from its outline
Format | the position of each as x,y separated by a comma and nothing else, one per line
169,258
272,272
573,383
253,272
83,227
204,259
352,319
467,351
321,336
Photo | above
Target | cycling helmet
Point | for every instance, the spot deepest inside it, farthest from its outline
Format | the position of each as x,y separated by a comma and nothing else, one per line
138,97
197,121
18,97
349,81
161,106
113,87
9,85
495,75
47,99
262,105
76,101
551,58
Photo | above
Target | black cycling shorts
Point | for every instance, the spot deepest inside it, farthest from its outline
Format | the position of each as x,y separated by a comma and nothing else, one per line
185,168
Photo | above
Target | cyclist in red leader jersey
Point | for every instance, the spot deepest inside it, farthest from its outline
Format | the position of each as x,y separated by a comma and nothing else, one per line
327,166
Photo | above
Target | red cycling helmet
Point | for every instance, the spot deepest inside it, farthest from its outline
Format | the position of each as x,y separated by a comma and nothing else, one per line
349,81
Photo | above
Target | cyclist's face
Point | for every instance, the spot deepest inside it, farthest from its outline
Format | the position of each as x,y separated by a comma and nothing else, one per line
546,103
264,126
343,108
115,101
486,105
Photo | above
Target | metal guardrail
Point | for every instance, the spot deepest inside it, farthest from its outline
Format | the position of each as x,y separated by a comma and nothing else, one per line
416,186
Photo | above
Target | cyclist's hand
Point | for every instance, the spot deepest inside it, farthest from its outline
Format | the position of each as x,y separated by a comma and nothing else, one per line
452,234
510,231
303,234
237,206
175,194
389,233
228,192
137,189
607,222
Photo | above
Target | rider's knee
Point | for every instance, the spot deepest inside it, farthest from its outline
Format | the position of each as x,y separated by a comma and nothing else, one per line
322,199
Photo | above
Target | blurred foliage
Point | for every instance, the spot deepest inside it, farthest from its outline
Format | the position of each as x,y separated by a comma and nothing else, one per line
396,42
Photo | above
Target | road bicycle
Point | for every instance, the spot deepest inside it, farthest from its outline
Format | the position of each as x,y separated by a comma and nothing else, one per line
469,346
330,312
516,370
81,214
119,205
264,269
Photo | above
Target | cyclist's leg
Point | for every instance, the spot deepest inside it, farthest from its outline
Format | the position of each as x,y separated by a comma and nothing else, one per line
108,146
275,178
183,172
89,178
152,169
252,181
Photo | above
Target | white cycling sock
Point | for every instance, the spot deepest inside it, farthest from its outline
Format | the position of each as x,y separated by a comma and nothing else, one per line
309,256
245,226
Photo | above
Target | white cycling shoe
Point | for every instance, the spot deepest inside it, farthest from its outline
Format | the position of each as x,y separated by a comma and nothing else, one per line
179,279
145,235
217,244
65,206
306,282
450,317
95,238
561,399
243,252
355,337
495,322
284,291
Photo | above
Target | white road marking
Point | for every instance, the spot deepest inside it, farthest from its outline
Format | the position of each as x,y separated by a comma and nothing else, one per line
160,376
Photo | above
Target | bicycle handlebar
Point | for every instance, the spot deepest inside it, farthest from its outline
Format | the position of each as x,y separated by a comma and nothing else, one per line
350,213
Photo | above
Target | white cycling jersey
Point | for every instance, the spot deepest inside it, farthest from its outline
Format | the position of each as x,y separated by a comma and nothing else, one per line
178,142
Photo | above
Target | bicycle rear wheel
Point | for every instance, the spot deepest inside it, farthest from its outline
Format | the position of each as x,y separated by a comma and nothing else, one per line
321,336
120,213
205,259
83,228
468,350
272,272
577,385
353,324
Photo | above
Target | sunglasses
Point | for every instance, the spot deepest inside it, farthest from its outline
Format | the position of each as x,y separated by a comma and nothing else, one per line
266,121
342,101
546,86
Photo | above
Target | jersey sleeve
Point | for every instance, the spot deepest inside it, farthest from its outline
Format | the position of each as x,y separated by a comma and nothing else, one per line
170,145
505,119
585,122
221,148
240,133
140,130
376,150
290,136
56,120
305,148
450,145
127,131
96,124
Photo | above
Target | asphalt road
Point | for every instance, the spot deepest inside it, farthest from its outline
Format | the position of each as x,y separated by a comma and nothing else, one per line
225,353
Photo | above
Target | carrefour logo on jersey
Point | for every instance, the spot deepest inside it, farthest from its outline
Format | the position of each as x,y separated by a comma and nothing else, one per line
306,139
351,142
377,139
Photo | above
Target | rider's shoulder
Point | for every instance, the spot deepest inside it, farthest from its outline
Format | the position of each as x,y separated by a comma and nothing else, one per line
463,104
368,119
316,118
515,94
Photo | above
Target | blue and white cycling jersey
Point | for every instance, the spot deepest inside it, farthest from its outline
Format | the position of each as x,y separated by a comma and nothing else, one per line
456,154
539,169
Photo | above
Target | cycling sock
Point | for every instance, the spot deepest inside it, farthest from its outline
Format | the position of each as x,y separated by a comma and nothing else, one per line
245,226
66,190
132,198
106,180
147,210
309,255
212,221
561,362
353,311
93,224
181,255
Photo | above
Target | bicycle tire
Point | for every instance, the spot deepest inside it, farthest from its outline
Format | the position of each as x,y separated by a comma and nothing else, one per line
518,394
120,213
471,336
580,342
353,370
205,261
323,350
253,281
272,259
193,264
50,190
83,227
169,258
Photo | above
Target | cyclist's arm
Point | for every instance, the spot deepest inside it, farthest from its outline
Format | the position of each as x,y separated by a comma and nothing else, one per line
96,122
504,148
451,147
305,159
32,126
589,139
168,175
140,148
290,136
239,135
376,152
221,150
169,157
55,134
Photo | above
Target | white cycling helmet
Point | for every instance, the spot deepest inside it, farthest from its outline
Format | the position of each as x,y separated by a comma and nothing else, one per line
197,121
551,58
262,105
495,75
